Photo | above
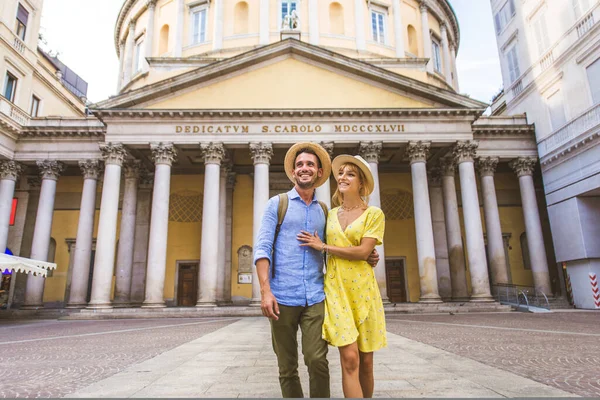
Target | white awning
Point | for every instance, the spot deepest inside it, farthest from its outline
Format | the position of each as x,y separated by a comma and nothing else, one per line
25,265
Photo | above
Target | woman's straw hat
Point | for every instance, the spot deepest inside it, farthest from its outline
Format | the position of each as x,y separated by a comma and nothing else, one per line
360,163
322,154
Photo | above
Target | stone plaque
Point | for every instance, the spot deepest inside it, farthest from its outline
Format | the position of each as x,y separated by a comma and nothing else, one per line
245,259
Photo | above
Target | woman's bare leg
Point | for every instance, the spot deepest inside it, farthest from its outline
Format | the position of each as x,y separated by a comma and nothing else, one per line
350,361
365,374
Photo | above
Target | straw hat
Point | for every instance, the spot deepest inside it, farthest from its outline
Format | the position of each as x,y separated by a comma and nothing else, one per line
360,163
322,154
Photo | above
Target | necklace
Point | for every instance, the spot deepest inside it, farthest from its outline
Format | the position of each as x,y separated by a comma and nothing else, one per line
351,208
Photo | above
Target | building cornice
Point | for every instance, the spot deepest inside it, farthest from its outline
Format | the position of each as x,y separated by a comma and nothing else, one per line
63,127
569,150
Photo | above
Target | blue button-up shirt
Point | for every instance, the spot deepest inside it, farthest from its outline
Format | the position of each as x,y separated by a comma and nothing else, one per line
298,277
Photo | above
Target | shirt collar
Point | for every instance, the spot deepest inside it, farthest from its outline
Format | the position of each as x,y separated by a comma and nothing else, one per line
293,194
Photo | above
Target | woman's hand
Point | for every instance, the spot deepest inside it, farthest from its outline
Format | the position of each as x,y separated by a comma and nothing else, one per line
312,241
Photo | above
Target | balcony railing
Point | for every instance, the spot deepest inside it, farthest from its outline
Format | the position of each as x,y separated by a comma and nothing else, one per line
585,25
19,45
577,127
547,60
517,88
14,112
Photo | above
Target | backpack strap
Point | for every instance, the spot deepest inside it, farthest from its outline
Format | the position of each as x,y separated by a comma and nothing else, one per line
281,210
324,238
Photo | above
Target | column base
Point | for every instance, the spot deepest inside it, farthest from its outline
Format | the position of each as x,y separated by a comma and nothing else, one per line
99,306
460,299
254,303
76,305
430,299
206,304
31,307
121,304
482,298
151,304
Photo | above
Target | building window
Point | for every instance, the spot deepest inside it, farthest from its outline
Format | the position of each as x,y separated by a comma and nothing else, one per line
435,54
21,23
35,106
540,33
139,56
199,25
580,7
378,26
10,87
593,73
556,108
513,64
504,16
287,6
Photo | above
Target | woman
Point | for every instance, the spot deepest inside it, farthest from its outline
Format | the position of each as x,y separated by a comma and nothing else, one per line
354,318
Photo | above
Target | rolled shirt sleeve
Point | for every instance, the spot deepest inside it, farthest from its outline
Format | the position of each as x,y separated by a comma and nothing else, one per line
266,234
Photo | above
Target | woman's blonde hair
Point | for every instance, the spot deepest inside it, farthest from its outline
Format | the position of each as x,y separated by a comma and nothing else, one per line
338,197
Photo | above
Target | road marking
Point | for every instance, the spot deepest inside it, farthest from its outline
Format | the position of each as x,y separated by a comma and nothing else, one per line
498,327
118,331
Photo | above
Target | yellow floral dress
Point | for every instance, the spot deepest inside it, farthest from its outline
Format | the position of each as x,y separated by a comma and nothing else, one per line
353,306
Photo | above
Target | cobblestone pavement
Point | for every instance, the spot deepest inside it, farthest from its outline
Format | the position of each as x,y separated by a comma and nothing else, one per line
558,349
53,358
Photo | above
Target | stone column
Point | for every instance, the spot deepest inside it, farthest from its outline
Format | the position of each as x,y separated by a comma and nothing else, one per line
149,32
454,70
264,22
313,22
127,235
426,34
121,65
446,50
398,29
9,173
114,155
524,167
323,192
417,153
50,170
371,151
261,154
464,153
209,249
129,54
142,230
439,234
218,25
163,155
497,256
359,24
222,231
82,249
228,240
179,18
456,253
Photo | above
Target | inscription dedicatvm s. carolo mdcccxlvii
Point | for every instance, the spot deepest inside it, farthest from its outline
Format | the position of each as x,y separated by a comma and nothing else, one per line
291,128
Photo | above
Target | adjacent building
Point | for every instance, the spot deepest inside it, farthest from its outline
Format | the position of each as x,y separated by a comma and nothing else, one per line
550,56
157,199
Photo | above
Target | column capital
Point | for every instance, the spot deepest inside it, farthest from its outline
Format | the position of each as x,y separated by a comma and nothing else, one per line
328,146
423,7
230,183
131,23
447,166
370,151
465,151
418,151
34,182
50,169
91,169
151,4
10,170
146,178
435,175
487,165
261,152
163,153
213,152
113,153
131,169
443,28
523,166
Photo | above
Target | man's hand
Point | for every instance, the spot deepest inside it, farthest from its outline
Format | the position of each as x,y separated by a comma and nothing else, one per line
373,258
269,306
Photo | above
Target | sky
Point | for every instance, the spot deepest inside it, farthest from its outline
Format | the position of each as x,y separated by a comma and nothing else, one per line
81,31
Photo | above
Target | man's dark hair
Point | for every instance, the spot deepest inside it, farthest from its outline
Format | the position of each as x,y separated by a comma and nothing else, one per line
309,151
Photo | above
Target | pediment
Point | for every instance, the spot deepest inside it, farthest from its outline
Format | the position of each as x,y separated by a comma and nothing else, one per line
289,75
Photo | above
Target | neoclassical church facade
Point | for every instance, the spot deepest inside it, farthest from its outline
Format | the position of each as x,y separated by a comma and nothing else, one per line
156,199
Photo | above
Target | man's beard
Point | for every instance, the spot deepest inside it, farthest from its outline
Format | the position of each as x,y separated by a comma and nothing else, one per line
307,185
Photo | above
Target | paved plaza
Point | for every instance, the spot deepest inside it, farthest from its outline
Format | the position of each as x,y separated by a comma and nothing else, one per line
463,355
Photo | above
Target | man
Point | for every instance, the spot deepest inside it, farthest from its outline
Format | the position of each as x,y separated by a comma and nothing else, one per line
292,293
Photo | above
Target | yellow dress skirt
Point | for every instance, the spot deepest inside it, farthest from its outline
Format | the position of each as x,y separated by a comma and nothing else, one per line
353,306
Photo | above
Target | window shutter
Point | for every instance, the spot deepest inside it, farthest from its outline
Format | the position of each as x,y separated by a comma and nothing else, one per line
22,15
593,73
511,5
497,21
